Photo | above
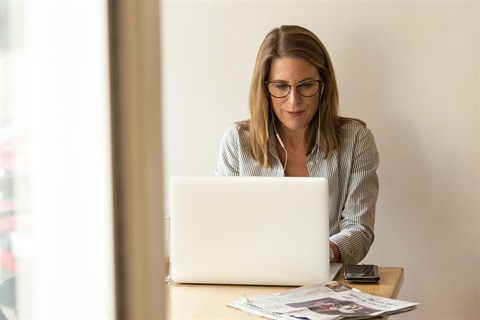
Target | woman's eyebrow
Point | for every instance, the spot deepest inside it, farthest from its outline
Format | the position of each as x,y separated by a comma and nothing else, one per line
303,80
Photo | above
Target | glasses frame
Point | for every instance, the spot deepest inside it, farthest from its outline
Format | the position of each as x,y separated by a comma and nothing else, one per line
320,82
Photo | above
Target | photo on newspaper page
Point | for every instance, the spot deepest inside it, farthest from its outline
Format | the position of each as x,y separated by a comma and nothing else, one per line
324,301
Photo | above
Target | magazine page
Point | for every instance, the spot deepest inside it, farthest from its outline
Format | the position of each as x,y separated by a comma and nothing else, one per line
324,301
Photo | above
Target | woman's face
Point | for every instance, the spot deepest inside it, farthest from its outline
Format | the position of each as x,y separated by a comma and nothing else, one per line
294,111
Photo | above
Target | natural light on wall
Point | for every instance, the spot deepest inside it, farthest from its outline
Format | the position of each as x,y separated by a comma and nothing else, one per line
56,214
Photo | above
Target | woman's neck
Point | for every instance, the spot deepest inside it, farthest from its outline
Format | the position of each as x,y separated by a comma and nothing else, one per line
292,139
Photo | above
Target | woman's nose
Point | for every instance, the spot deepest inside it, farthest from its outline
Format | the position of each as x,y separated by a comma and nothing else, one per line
294,97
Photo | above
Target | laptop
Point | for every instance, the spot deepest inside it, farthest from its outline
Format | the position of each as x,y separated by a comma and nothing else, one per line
249,230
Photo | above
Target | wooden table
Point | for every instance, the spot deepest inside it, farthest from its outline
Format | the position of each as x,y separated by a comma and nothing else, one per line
190,301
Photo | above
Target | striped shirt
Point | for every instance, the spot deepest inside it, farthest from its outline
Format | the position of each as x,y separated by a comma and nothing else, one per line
351,175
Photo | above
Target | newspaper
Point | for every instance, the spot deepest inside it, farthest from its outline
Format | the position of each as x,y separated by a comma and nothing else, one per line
324,301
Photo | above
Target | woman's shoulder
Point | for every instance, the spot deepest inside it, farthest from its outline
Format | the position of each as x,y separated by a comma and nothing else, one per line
235,133
356,136
353,128
237,129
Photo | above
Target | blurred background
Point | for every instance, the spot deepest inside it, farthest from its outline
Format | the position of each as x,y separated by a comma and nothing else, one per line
56,236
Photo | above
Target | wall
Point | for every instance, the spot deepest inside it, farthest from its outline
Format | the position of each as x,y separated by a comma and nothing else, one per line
410,70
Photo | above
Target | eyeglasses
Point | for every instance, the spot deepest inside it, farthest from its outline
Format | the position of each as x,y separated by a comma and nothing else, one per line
306,89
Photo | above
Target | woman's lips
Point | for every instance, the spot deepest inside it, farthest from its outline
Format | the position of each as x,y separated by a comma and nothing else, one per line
295,113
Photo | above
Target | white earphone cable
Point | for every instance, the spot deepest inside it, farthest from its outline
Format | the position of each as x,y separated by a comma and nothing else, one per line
279,140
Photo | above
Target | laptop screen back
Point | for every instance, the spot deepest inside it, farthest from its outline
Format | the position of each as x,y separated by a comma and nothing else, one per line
249,230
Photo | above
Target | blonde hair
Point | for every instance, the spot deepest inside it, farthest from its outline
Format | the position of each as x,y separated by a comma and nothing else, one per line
295,42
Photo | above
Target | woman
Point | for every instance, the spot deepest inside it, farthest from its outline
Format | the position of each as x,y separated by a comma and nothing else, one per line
295,130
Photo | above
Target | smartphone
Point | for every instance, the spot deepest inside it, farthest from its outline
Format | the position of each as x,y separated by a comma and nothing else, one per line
361,273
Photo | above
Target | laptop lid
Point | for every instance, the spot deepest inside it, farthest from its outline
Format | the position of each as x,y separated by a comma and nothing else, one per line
249,230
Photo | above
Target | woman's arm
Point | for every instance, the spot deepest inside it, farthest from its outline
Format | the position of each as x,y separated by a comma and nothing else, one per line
358,215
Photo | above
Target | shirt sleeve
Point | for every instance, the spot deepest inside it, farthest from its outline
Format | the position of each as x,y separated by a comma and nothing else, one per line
228,157
358,215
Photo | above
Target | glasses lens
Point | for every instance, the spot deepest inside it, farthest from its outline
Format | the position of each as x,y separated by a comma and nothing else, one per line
281,89
308,88
278,89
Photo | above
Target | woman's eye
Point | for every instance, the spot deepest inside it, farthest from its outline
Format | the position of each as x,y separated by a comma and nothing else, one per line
281,86
306,85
